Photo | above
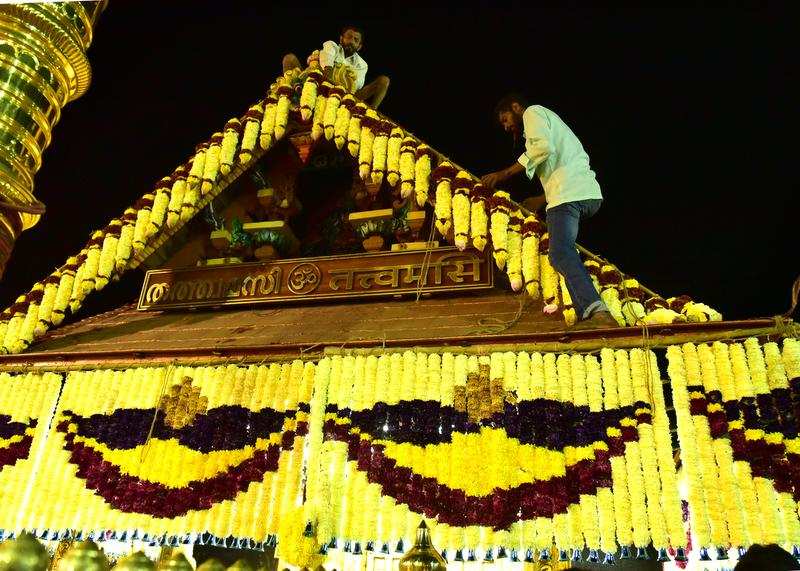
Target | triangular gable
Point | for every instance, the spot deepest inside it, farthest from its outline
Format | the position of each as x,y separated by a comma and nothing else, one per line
464,209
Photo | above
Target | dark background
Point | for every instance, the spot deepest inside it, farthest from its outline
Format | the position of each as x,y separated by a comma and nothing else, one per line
687,113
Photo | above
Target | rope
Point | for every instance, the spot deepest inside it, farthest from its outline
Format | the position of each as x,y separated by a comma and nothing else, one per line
146,447
426,261
794,297
495,326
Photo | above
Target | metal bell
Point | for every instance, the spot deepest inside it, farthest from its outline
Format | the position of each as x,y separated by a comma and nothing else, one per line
83,556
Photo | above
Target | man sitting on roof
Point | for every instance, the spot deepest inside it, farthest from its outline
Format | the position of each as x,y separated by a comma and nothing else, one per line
556,156
342,65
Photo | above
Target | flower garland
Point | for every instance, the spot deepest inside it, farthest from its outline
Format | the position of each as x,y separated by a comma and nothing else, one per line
442,177
252,126
308,95
343,117
158,214
532,230
549,277
408,151
380,148
354,129
267,134
211,164
335,95
369,124
514,248
230,142
567,307
422,172
462,186
284,93
396,138
499,208
478,218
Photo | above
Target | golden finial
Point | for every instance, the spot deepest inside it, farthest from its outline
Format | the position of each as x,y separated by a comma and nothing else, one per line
83,556
24,553
423,556
135,562
211,565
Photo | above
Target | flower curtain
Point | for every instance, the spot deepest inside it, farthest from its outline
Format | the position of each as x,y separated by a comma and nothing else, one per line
505,454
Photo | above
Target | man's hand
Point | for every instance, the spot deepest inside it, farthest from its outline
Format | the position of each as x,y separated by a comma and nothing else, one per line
493,179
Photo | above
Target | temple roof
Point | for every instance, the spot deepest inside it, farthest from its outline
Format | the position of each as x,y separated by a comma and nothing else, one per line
124,243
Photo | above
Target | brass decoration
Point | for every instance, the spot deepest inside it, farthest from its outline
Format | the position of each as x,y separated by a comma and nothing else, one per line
61,550
423,556
135,562
482,396
241,565
175,562
334,277
43,66
83,556
211,565
304,278
24,553
183,403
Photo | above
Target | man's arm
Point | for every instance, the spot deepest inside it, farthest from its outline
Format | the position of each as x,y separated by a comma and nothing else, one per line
493,179
327,57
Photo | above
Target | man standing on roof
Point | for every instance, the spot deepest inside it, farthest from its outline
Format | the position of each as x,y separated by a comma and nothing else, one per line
341,64
556,156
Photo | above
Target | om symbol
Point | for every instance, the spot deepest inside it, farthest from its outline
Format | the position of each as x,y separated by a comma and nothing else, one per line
304,278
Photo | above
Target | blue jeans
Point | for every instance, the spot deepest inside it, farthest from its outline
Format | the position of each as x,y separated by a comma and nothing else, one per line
563,222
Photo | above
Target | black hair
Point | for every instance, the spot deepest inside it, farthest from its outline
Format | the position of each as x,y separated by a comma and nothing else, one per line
355,28
766,557
507,101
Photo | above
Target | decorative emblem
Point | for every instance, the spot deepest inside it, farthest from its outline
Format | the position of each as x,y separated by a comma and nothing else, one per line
182,404
304,278
483,396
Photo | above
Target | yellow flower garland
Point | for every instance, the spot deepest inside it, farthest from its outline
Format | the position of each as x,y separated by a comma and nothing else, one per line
443,205
396,137
198,165
514,248
335,95
176,196
252,127
478,218
230,141
498,227
366,143
461,209
267,135
308,95
284,93
141,225
354,129
380,148
342,123
422,173
530,256
211,165
158,213
408,149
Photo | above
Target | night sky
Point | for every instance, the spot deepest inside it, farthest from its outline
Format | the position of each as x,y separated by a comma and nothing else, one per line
687,115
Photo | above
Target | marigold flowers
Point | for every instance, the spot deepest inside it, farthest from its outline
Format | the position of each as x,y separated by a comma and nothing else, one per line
499,206
442,176
408,151
462,185
422,173
230,140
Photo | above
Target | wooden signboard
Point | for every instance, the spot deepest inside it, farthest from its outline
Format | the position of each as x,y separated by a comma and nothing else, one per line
317,279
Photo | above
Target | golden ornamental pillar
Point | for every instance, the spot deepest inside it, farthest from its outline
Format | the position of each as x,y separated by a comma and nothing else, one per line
43,66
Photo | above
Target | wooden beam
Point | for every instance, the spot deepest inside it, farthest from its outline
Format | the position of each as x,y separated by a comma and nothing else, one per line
558,341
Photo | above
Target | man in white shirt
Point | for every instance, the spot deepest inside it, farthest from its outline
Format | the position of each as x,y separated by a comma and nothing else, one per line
556,156
342,64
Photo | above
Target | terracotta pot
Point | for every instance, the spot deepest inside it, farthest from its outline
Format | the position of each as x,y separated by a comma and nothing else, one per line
220,239
373,243
266,252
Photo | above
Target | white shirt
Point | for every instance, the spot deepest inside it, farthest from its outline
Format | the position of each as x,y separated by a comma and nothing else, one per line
332,53
556,156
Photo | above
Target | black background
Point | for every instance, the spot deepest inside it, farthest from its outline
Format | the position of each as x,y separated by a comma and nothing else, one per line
689,115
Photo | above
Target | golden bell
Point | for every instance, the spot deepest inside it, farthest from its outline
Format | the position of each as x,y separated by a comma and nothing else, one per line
24,553
241,565
83,556
135,562
176,562
211,565
423,556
